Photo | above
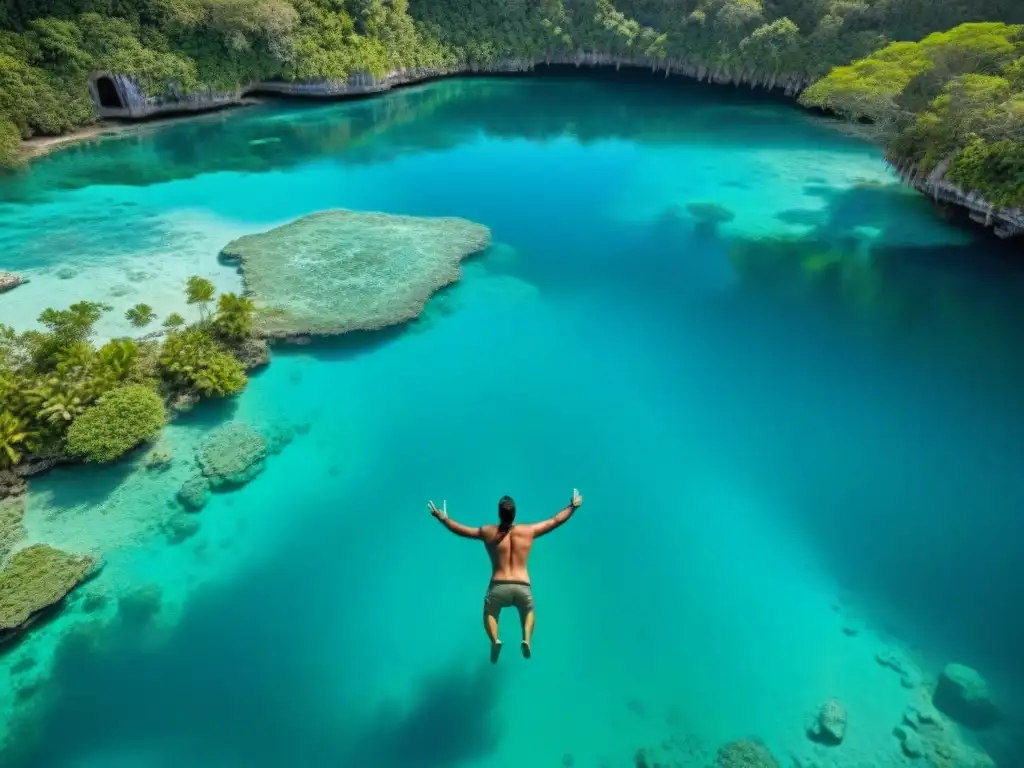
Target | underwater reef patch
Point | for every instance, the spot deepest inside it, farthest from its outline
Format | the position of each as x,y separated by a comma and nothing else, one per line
338,271
232,455
745,753
34,579
12,529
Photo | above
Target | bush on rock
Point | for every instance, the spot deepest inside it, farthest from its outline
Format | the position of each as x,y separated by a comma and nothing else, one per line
120,420
192,359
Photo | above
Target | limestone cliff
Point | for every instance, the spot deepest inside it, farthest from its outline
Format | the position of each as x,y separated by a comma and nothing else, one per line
1005,222
119,96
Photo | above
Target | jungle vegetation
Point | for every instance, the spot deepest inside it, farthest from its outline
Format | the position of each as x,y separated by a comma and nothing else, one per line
61,395
955,99
48,48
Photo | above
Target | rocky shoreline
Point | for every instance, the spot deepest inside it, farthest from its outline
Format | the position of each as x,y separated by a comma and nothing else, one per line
1004,222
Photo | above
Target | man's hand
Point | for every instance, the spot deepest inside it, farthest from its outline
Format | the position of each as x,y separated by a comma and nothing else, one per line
440,514
577,499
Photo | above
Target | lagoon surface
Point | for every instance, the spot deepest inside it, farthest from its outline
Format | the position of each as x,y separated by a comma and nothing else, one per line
795,456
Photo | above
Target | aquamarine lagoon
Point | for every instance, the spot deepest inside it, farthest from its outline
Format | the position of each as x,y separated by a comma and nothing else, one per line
787,386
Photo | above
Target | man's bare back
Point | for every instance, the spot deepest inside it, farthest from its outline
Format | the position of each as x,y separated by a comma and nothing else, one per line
509,546
509,549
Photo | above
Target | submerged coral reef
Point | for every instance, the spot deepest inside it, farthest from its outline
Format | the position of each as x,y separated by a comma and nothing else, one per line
232,455
34,579
338,271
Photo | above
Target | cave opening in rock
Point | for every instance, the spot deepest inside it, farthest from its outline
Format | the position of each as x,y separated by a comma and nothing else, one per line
107,91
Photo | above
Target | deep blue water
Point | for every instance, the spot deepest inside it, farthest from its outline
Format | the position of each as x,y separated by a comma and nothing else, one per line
757,440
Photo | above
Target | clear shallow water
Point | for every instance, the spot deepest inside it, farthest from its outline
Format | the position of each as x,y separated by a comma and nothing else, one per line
763,462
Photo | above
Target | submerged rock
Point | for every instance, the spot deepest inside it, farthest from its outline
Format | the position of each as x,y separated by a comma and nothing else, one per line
909,740
339,271
9,281
232,455
194,493
252,353
964,695
34,579
888,657
710,213
923,734
12,484
159,458
829,725
181,527
745,753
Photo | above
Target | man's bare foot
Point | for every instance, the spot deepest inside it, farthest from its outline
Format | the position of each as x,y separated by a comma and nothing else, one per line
525,647
495,652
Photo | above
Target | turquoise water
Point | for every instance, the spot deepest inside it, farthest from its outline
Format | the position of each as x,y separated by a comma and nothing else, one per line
765,459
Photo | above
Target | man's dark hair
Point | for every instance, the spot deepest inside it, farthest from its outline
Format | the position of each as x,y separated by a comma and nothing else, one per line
506,511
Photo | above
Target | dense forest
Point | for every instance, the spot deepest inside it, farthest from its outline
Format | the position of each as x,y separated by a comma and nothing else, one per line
954,98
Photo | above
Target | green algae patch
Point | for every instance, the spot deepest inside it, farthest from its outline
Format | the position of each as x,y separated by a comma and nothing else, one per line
34,579
339,271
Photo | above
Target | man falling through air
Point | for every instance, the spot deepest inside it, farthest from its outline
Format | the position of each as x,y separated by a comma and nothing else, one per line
509,546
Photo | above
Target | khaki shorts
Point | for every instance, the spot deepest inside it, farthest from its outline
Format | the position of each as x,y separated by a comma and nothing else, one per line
505,594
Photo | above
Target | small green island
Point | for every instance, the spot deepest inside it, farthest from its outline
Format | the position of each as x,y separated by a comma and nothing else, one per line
67,400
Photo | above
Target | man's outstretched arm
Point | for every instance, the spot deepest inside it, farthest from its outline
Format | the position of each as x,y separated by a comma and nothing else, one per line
457,528
561,517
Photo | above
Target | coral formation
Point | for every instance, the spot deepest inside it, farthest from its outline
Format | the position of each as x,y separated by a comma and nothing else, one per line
964,695
745,753
12,512
828,726
232,455
182,527
12,484
159,458
338,271
194,493
34,579
279,437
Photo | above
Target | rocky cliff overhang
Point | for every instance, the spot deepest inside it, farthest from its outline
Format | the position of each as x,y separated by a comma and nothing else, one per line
364,83
1005,222
119,96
